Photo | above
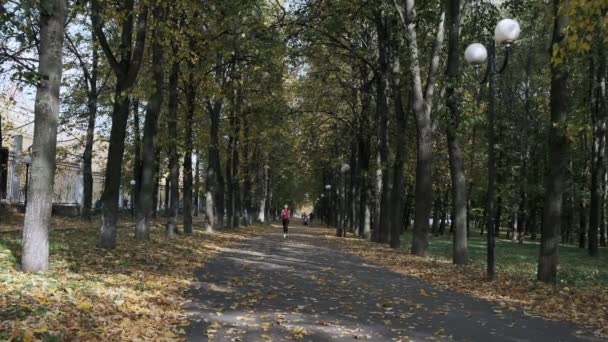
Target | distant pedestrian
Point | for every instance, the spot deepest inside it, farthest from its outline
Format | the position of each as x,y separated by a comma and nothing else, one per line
285,215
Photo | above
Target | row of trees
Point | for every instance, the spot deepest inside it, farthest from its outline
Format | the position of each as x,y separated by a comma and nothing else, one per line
388,78
194,92
259,105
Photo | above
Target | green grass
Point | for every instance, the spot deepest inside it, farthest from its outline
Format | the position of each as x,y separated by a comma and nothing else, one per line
577,268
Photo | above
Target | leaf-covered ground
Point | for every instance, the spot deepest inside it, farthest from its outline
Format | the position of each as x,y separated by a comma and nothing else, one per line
134,292
269,288
583,300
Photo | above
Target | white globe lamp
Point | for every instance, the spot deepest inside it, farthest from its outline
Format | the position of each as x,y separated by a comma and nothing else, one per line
475,54
507,31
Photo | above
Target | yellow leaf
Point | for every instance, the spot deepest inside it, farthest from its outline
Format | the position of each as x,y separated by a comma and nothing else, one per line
42,329
84,306
424,293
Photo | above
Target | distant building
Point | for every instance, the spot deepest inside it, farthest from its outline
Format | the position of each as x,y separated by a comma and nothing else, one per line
17,139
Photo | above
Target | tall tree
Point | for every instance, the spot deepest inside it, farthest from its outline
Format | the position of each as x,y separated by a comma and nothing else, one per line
187,172
172,149
422,106
126,68
149,143
35,249
459,191
558,144
90,73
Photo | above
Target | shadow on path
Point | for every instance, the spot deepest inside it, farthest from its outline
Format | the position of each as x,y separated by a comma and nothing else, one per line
275,289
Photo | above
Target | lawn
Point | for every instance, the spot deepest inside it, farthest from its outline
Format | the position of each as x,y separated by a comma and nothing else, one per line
134,292
517,260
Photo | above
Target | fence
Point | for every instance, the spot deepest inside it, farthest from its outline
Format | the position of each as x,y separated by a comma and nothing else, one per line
68,185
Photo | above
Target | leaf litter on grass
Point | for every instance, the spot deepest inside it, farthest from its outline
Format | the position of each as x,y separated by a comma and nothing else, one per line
585,306
132,292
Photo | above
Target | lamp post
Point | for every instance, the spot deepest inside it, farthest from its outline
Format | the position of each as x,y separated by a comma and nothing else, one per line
132,195
28,161
506,32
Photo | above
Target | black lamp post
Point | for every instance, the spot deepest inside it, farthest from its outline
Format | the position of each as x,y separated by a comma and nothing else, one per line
507,31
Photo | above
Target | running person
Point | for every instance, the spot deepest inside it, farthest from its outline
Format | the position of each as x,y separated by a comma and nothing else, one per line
285,214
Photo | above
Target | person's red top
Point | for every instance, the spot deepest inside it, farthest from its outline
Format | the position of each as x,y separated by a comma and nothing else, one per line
285,213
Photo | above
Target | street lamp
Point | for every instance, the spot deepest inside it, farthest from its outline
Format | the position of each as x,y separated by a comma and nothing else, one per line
28,161
132,195
506,33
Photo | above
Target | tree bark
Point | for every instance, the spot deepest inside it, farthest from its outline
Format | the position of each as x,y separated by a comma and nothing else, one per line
126,70
599,145
422,106
457,175
236,131
87,155
189,146
197,183
35,245
364,161
382,201
552,209
156,182
215,180
145,179
582,229
137,151
172,151
397,197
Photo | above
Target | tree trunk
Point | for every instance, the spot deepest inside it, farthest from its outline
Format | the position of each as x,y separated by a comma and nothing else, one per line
603,208
156,182
422,106
145,174
248,173
498,216
436,216
382,219
523,198
110,196
598,161
552,209
363,137
35,245
137,151
236,131
172,151
229,183
457,175
366,192
197,183
189,146
444,213
126,70
582,229
215,181
397,197
262,207
87,156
